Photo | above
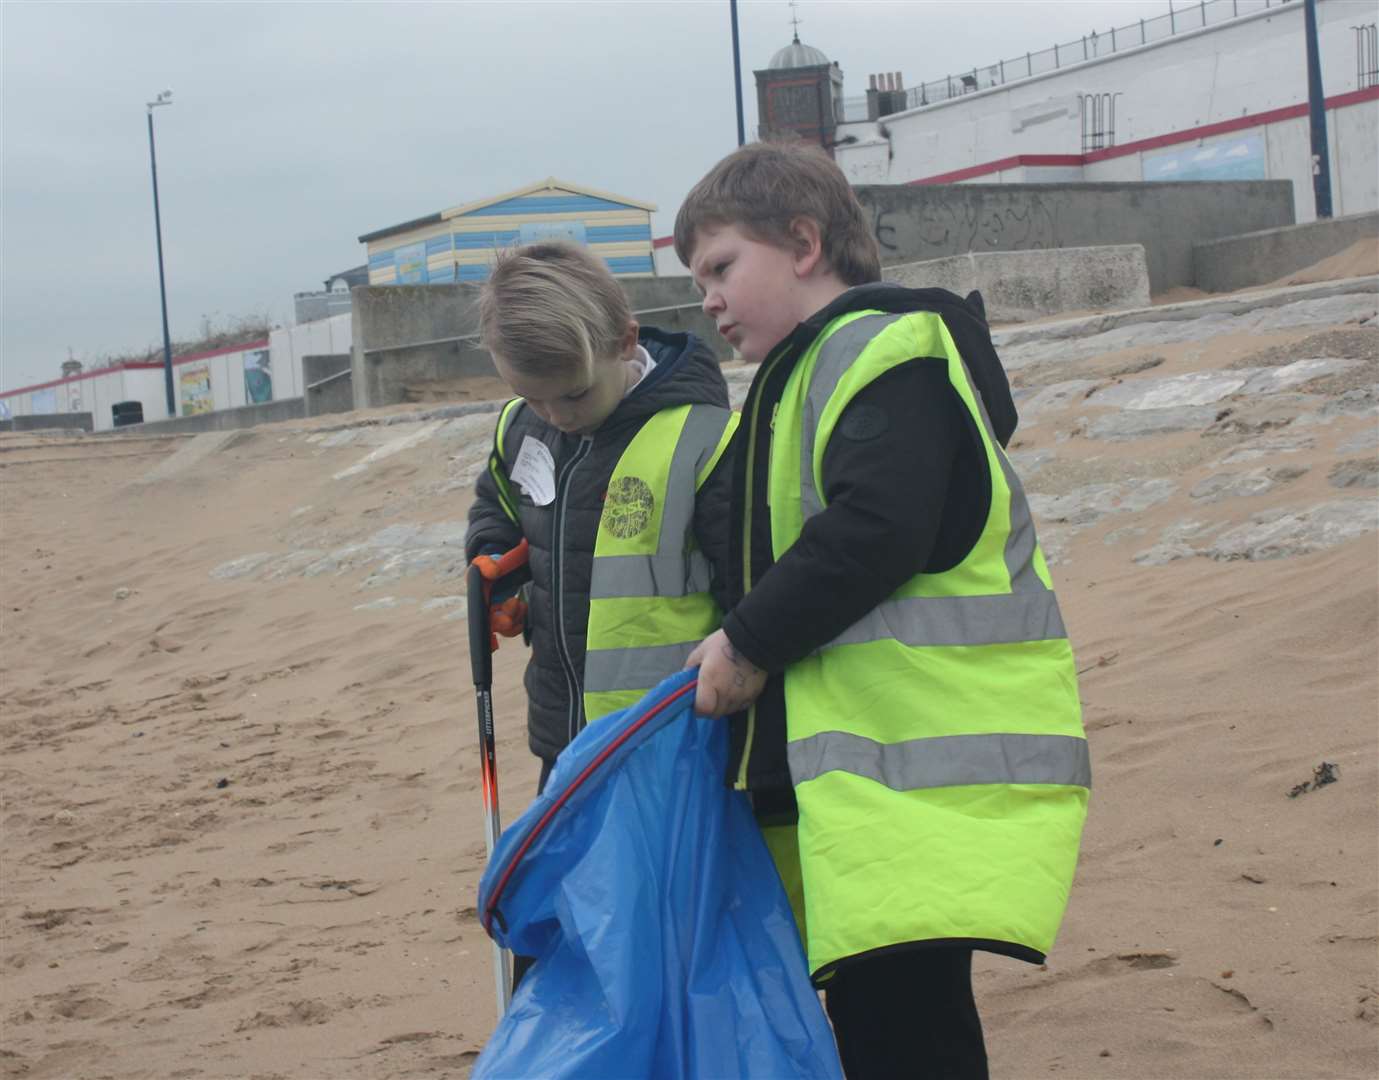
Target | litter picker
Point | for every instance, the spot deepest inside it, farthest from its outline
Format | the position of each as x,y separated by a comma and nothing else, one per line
503,577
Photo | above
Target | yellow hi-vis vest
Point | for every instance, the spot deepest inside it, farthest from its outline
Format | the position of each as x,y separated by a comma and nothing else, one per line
936,746
649,600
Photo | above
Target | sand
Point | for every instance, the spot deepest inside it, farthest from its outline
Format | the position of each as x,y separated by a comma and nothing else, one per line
1358,260
241,828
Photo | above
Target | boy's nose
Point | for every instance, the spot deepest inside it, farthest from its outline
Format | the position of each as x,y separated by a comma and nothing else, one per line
545,412
712,302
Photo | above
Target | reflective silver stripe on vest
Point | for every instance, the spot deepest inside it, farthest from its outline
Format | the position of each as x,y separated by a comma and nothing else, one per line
835,356
702,428
1029,613
623,576
1020,543
945,760
633,669
1000,619
669,572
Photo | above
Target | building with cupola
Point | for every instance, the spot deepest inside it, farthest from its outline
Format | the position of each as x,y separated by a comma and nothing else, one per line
800,92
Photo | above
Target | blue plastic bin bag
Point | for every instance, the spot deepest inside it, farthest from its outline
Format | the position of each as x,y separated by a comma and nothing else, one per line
664,941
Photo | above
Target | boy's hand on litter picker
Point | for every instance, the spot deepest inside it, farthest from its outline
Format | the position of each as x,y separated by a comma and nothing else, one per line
728,681
507,615
508,618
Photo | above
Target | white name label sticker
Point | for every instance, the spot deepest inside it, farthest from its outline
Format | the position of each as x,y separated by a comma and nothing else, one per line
534,471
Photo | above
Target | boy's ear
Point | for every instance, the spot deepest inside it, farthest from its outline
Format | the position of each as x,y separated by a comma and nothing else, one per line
629,339
809,246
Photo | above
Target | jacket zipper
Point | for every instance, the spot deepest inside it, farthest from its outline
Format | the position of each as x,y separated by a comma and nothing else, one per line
762,377
558,588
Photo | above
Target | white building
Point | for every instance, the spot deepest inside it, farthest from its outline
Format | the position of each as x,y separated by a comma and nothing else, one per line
251,374
1212,91
1220,94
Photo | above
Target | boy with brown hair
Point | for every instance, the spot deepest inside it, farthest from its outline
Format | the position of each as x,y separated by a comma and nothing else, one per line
902,693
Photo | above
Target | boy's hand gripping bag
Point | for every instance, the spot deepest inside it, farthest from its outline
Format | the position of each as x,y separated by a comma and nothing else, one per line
664,941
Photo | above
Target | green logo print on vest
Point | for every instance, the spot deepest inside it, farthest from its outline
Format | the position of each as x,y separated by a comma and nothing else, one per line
949,712
628,507
649,600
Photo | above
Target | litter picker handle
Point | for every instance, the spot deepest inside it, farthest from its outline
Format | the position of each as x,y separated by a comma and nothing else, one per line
477,592
479,586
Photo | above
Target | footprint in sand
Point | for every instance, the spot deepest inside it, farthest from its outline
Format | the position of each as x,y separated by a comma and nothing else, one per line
74,1003
1149,960
217,988
295,1014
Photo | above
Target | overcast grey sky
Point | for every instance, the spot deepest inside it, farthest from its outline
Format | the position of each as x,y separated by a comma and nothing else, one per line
296,127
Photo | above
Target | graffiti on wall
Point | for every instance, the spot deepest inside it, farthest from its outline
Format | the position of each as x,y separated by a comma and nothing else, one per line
990,222
258,377
196,390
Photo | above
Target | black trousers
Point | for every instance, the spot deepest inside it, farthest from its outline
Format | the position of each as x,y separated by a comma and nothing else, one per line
908,1013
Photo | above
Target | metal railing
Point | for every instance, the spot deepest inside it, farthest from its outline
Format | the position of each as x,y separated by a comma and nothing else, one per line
1366,55
1098,121
1182,17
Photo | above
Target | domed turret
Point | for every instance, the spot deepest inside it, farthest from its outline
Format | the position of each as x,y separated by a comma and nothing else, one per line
797,55
800,92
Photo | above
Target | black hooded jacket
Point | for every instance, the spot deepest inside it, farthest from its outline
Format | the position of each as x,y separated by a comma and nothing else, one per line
561,535
908,491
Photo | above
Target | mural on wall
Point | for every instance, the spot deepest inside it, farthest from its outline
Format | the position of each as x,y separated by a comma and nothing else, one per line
411,265
258,377
42,402
5,413
1239,158
196,390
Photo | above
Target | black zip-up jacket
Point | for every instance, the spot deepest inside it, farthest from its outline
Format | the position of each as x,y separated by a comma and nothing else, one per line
561,535
907,488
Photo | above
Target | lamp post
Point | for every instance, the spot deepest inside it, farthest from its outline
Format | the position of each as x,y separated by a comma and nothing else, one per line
164,98
737,73
1316,110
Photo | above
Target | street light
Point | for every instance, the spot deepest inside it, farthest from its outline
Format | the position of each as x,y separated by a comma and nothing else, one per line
1316,110
737,73
164,98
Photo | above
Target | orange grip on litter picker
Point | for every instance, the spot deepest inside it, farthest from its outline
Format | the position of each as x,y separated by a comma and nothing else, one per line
508,617
496,569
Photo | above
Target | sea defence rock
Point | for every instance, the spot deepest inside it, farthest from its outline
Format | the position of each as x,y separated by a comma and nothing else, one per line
1020,285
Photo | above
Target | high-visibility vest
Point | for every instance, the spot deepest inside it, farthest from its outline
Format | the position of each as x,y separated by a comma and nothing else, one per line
649,599
935,746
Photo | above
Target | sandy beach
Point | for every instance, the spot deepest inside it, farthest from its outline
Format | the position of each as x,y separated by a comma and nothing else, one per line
241,827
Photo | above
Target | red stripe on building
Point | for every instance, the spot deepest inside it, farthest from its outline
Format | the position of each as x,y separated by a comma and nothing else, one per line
1204,131
1000,166
137,365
